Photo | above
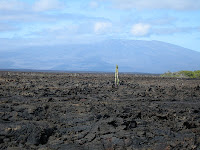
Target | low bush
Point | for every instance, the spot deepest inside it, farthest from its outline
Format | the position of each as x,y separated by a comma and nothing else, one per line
182,74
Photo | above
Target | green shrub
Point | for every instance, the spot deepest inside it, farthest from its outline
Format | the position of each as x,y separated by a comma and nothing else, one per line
197,74
182,74
167,74
189,74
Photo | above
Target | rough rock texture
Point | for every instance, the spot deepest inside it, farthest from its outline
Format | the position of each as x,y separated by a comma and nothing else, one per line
49,111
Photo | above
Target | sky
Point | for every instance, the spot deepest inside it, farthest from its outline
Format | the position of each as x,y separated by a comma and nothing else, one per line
54,22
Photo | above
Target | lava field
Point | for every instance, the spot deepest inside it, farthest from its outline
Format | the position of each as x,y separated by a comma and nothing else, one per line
85,111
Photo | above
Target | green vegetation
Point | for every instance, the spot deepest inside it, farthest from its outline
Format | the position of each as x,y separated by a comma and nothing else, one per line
182,74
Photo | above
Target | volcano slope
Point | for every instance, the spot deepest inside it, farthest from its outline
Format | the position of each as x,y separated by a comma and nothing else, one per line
61,111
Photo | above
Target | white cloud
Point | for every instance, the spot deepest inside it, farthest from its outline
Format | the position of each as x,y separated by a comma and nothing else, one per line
140,29
157,4
11,5
44,5
101,27
93,4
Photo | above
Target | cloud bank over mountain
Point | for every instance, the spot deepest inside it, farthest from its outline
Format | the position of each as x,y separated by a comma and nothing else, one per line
157,4
41,22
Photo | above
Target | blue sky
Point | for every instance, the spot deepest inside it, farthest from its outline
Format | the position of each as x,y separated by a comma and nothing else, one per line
54,22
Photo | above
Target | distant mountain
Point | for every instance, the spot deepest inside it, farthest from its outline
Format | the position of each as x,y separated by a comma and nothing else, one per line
130,55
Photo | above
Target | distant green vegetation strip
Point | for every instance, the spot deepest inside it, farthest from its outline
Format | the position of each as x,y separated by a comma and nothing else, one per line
182,74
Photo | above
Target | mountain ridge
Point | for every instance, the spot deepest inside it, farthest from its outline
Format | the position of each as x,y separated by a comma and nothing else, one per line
130,55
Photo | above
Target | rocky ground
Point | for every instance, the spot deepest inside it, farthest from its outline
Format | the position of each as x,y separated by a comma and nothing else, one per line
65,111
